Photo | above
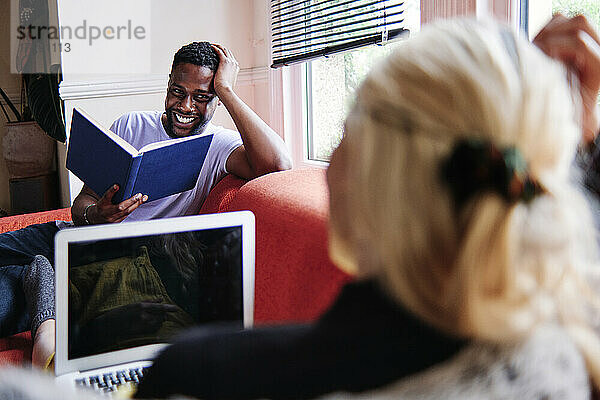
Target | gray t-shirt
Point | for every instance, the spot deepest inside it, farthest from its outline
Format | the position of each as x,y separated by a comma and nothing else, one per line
142,128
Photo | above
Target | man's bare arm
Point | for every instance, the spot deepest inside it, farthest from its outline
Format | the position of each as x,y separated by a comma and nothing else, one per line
263,151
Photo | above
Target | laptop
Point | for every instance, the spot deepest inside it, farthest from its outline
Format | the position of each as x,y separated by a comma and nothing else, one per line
124,290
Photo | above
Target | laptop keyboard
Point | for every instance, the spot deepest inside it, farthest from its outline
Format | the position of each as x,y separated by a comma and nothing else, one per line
110,382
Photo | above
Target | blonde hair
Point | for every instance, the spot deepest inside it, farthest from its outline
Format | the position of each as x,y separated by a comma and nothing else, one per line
491,269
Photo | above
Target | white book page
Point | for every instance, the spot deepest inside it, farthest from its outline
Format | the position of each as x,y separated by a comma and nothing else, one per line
165,143
120,141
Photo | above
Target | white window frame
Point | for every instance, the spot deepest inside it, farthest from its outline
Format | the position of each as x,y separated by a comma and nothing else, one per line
288,86
540,12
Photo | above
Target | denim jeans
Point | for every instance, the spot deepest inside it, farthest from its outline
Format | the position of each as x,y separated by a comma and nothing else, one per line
17,250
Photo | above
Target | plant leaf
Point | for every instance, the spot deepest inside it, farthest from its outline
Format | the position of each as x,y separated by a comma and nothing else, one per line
45,103
10,105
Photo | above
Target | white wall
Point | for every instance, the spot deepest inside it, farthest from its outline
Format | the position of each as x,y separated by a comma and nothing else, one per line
10,83
268,82
233,23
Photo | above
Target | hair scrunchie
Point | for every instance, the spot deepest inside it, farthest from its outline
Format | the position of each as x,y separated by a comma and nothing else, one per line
477,165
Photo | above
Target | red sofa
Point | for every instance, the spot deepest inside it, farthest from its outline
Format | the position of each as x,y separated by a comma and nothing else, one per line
295,280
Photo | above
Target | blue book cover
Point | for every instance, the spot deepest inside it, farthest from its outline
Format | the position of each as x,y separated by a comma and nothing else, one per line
100,158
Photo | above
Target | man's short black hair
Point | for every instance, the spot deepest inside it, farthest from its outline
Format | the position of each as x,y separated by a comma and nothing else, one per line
197,53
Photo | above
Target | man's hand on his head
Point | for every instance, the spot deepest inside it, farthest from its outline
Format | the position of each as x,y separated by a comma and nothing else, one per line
575,43
263,150
104,211
227,72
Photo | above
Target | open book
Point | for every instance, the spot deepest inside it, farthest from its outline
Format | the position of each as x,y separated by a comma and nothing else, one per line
100,158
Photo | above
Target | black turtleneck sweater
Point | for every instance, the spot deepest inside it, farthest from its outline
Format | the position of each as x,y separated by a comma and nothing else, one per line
365,340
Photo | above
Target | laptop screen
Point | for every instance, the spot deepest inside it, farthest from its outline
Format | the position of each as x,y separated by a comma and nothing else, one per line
141,290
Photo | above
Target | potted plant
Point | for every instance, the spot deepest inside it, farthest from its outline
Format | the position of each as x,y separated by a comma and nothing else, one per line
28,151
28,147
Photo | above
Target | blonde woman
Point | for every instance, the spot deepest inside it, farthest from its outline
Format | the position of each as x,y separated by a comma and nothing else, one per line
452,204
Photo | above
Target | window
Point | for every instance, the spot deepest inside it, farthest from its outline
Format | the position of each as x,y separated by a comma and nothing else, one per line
330,85
326,31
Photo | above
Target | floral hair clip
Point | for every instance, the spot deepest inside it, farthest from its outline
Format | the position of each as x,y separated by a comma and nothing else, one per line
476,166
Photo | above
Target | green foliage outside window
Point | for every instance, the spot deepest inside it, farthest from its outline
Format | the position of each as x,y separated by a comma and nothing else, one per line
333,81
589,8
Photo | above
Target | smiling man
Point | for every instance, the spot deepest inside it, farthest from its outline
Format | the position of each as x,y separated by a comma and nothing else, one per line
202,76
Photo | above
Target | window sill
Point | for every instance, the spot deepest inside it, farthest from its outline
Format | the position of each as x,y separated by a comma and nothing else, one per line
311,164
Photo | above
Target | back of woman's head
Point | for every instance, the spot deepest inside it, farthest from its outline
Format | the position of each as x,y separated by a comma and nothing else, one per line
483,266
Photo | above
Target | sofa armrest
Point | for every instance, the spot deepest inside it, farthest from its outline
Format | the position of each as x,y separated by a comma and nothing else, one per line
15,222
222,194
295,280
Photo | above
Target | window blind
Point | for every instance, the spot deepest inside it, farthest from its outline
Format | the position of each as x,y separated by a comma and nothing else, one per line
306,29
